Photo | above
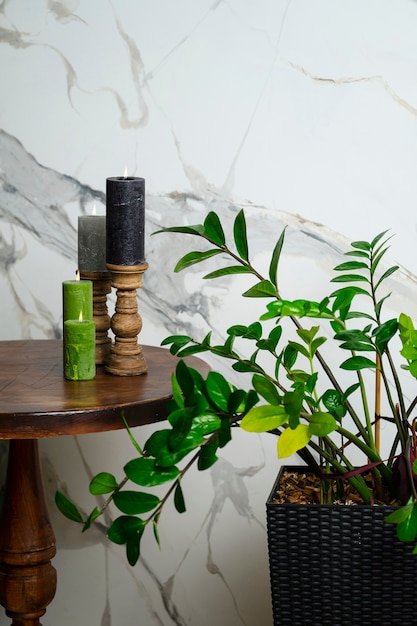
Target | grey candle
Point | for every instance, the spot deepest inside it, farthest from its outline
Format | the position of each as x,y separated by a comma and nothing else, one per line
125,220
92,243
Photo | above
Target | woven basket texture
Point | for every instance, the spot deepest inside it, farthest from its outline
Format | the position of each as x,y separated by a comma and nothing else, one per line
334,565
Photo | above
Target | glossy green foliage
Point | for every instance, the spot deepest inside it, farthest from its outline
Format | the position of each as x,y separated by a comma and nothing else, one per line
291,388
405,519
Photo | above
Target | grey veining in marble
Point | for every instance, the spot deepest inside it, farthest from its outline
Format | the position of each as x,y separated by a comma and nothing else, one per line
304,114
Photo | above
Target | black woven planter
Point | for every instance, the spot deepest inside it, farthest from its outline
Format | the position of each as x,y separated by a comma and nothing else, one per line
336,565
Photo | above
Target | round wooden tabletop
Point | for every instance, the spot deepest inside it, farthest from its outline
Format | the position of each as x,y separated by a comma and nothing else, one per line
36,401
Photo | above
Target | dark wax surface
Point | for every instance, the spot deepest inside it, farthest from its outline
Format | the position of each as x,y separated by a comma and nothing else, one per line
125,221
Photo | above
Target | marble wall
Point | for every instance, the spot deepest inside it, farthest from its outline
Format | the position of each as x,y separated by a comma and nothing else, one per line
304,113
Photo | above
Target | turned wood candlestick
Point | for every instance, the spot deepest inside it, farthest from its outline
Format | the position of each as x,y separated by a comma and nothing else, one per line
101,287
125,357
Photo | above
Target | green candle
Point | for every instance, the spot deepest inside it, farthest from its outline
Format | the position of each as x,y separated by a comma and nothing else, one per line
77,297
79,350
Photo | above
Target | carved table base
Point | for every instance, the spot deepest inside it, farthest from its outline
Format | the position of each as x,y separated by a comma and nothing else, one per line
27,542
37,402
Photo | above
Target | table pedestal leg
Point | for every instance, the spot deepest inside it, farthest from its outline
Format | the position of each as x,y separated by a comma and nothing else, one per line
27,542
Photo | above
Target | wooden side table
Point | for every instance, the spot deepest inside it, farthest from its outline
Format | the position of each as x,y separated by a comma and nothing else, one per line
35,402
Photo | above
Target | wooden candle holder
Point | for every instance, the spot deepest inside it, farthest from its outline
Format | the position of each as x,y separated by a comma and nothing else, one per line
125,357
101,287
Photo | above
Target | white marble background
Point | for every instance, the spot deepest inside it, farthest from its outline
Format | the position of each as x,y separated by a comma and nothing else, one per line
302,111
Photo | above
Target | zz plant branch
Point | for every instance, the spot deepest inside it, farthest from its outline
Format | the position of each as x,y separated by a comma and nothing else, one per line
294,391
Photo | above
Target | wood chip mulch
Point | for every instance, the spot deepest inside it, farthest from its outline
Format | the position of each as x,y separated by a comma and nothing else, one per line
304,488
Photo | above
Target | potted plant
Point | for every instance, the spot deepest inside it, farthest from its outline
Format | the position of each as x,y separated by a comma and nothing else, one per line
294,353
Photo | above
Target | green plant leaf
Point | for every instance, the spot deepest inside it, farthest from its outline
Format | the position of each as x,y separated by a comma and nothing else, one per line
240,235
254,331
238,330
143,471
377,258
180,431
299,377
176,392
361,245
95,513
263,289
293,402
157,441
195,257
213,229
179,501
124,526
67,507
131,436
127,530
156,532
334,403
276,254
407,529
225,432
352,335
237,401
208,456
243,366
252,399
271,343
228,271
184,378
378,238
355,314
167,458
357,363
177,342
133,549
378,305
386,274
219,390
311,382
351,390
266,389
157,446
343,298
135,502
292,440
349,292
103,483
298,308
357,346
197,229
412,368
307,335
205,424
315,345
322,424
384,333
400,514
194,349
357,253
290,356
351,265
261,419
299,348
350,278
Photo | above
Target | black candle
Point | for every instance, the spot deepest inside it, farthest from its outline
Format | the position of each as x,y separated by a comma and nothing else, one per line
125,220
